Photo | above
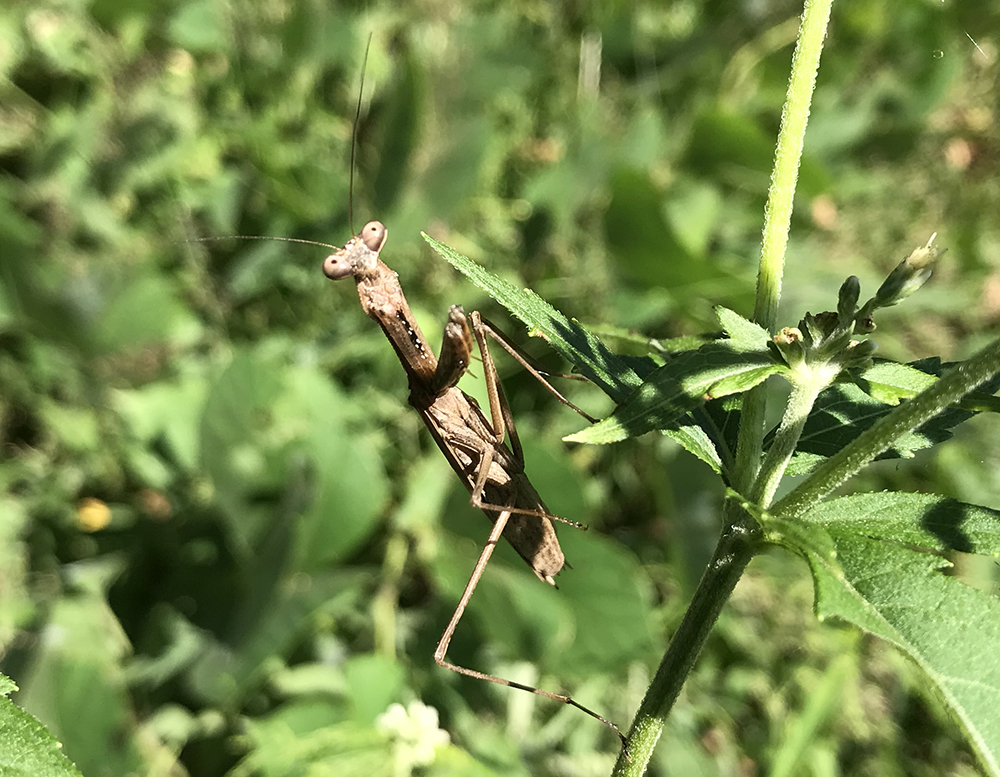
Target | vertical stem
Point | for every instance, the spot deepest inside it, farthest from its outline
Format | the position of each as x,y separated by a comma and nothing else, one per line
732,554
385,602
777,218
739,537
800,403
788,155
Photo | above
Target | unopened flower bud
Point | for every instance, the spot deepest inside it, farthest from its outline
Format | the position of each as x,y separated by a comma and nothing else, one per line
789,345
788,335
847,301
818,328
909,275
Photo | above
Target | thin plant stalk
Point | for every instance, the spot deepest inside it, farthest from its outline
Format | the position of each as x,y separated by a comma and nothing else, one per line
800,403
740,535
778,218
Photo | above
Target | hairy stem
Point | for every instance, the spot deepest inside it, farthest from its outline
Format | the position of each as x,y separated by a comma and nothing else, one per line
739,537
777,219
734,551
800,404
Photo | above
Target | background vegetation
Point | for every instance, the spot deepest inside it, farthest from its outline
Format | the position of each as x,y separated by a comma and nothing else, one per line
227,543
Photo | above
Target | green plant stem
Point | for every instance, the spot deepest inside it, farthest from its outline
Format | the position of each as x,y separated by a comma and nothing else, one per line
387,599
741,533
800,404
952,386
732,554
777,219
787,158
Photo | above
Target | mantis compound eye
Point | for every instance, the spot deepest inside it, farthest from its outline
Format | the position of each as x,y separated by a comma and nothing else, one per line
337,266
373,236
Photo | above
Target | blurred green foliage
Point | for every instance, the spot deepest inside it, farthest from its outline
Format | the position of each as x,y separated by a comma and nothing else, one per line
227,543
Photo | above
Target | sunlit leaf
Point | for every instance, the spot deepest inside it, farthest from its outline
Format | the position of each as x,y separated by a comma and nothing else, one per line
744,335
925,520
683,383
949,629
617,376
28,749
889,382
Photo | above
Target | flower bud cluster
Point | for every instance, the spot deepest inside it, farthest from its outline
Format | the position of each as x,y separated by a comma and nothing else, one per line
829,337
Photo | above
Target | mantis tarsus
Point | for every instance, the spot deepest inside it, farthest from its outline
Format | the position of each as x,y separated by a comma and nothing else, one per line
474,445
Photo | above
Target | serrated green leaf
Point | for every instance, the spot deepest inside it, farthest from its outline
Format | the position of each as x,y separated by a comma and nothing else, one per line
742,381
616,375
744,335
926,520
28,749
889,382
949,629
696,441
680,385
570,338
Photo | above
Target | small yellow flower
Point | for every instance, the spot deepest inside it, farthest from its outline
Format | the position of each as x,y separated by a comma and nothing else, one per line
92,514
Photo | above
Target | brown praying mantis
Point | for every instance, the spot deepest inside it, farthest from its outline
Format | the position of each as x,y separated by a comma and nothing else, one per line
473,445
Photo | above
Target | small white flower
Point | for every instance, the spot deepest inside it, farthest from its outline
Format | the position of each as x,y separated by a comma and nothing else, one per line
415,734
393,720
